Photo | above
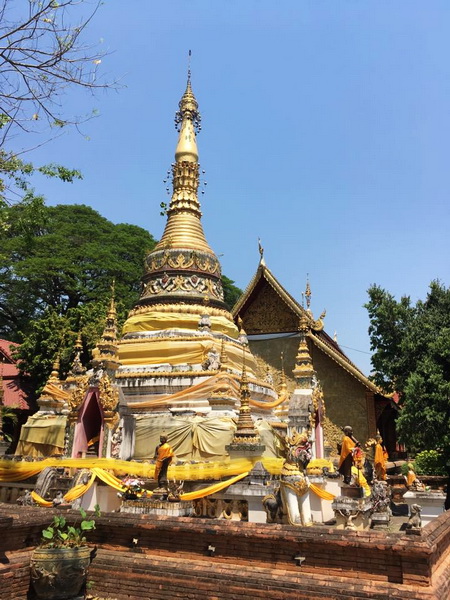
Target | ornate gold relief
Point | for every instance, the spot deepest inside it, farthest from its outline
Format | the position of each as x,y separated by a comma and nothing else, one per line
268,313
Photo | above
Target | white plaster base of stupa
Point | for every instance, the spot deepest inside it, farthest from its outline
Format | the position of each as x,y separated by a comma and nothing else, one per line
321,510
432,504
253,495
103,495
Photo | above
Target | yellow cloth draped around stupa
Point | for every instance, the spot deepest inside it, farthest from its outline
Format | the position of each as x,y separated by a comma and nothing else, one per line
156,321
200,391
42,436
180,351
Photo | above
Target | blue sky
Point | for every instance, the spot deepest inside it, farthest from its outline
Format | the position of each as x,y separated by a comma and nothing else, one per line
326,132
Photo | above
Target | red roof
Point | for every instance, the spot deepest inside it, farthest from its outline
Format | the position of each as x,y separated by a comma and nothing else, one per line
5,349
13,393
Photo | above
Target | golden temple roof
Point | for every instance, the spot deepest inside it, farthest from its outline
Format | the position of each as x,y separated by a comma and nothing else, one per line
316,333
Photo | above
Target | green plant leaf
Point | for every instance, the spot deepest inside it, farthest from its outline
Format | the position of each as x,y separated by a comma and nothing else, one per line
83,513
48,533
87,525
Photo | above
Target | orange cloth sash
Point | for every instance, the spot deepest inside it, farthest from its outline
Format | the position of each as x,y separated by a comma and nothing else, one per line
164,451
347,446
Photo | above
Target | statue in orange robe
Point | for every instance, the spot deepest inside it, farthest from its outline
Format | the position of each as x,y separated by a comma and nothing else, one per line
163,456
346,457
380,459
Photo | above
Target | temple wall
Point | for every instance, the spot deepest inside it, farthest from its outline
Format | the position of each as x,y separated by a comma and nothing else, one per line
345,396
171,559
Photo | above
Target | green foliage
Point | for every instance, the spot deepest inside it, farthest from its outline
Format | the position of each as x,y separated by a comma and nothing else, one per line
429,462
15,183
6,414
389,320
231,292
404,468
54,333
62,535
56,269
412,355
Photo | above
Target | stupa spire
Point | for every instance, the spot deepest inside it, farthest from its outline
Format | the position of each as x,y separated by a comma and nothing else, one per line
105,353
182,267
303,370
54,375
183,228
77,366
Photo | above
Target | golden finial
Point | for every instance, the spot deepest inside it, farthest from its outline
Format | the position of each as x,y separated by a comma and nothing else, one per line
261,253
283,374
54,375
223,356
245,428
303,370
78,343
189,66
308,293
106,351
183,228
77,366
188,123
112,305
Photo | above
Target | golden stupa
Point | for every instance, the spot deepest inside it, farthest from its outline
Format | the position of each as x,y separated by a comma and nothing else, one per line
181,353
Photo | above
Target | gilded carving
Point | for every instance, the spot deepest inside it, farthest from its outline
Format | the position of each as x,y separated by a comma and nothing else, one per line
108,397
182,260
192,283
268,313
79,392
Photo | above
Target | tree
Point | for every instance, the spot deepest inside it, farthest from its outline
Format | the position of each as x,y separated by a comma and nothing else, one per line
66,258
389,320
411,347
54,334
231,293
42,54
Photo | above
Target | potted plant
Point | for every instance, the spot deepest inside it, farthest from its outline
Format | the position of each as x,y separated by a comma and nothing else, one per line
59,564
6,414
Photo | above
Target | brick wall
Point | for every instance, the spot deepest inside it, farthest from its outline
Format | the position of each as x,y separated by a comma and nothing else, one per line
171,559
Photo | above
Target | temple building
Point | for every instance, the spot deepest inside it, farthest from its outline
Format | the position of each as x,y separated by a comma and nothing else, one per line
212,381
271,317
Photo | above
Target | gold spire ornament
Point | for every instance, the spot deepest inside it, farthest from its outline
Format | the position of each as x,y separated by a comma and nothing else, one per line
223,356
262,262
303,370
54,375
182,267
245,430
105,354
308,294
77,368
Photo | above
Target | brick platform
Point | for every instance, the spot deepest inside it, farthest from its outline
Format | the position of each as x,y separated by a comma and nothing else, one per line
251,561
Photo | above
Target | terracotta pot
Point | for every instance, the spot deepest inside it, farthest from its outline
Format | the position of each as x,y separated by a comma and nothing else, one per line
59,573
